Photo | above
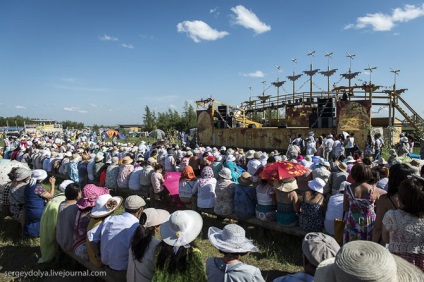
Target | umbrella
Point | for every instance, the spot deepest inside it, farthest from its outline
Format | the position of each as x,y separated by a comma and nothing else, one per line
282,170
157,133
5,168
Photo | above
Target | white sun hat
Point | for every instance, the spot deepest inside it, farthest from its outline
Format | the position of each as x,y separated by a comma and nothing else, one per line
105,205
231,239
181,229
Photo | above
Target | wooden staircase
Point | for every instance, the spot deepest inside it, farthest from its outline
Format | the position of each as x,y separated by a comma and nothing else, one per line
416,120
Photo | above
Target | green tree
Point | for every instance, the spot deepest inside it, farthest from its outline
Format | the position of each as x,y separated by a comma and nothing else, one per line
149,119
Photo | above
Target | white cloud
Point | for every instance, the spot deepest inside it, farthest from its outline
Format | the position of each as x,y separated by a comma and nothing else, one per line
20,107
257,73
386,22
248,19
172,106
92,105
83,111
70,109
198,31
129,46
106,37
214,11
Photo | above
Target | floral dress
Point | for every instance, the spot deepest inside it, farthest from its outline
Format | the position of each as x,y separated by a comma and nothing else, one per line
360,217
224,202
312,216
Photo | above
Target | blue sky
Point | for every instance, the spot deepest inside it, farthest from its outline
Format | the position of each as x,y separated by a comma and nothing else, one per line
103,61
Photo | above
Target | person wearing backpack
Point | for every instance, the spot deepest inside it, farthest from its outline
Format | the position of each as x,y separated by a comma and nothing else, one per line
379,143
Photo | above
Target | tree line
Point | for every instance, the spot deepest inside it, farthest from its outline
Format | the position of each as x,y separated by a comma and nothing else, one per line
168,120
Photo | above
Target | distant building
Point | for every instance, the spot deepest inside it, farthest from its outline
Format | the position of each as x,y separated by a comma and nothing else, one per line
43,125
130,127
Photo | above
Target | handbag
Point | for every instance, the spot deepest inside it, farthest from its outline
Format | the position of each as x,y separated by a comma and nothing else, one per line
339,225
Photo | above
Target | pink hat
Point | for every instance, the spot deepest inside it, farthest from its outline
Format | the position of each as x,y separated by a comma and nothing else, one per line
90,193
299,158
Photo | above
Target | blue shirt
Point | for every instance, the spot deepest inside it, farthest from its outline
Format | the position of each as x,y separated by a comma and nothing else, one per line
245,201
115,234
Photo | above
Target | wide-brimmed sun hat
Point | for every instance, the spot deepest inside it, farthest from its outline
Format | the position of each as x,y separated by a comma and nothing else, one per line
287,186
342,166
231,239
105,205
245,179
22,173
353,261
155,217
230,158
99,157
181,228
249,154
127,160
225,173
317,185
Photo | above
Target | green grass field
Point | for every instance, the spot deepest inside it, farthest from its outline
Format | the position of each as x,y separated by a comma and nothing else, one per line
279,253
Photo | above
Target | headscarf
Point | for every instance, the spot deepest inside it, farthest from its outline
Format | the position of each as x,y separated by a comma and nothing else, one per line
187,174
37,175
206,175
22,173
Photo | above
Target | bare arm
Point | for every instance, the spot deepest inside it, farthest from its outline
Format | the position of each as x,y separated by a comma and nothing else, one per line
385,235
378,223
49,195
296,202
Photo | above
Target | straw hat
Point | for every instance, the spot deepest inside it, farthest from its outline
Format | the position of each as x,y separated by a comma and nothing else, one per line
353,261
244,179
317,185
155,217
342,166
287,186
181,228
231,239
127,160
99,157
225,173
249,154
105,205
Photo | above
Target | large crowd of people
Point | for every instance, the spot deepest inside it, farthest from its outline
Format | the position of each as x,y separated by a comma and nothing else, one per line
381,204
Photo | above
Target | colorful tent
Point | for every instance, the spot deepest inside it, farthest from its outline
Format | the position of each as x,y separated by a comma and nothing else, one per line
111,133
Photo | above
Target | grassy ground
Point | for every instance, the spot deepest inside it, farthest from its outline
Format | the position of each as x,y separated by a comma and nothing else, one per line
279,253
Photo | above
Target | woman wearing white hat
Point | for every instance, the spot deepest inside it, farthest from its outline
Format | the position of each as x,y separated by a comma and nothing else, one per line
35,195
142,252
178,258
232,243
312,213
